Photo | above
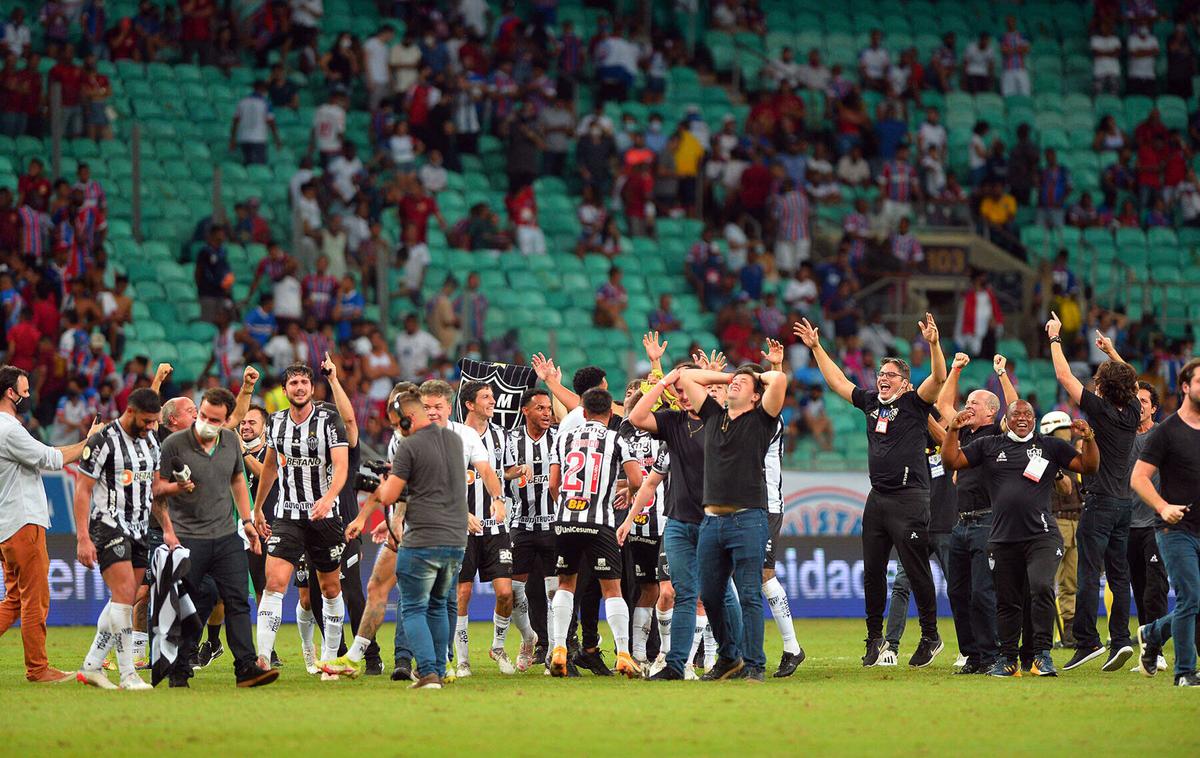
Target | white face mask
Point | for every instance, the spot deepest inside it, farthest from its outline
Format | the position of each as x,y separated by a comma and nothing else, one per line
206,431
1013,436
254,444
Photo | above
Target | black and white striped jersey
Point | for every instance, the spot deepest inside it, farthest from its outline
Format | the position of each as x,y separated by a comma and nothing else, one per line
304,455
479,501
532,509
646,450
773,470
590,458
123,468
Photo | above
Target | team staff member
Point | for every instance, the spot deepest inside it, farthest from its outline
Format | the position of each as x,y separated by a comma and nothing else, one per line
1103,534
1019,468
734,533
897,509
199,520
1173,452
1066,504
1147,575
24,518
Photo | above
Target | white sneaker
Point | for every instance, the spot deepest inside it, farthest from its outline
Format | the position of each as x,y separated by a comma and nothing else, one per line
887,658
96,679
500,656
1162,663
960,661
709,662
525,657
463,670
134,682
643,667
659,664
310,660
689,673
328,677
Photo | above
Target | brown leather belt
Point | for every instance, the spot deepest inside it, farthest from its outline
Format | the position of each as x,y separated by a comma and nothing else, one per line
1067,515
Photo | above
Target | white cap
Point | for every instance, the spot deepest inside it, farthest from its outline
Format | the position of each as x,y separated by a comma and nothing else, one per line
1055,420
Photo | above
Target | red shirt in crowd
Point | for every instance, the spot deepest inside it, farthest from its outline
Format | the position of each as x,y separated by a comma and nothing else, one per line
10,229
197,19
70,78
34,190
23,341
636,193
522,207
756,185
1175,170
1149,166
416,210
46,317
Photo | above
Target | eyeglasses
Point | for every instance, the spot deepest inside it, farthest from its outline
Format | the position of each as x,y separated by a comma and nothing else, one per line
889,375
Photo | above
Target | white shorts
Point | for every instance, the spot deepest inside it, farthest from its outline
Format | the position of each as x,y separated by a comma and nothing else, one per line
531,240
1014,82
790,254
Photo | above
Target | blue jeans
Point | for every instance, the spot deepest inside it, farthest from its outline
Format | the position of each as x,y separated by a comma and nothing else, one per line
403,651
1102,540
972,592
679,542
735,546
1180,550
425,576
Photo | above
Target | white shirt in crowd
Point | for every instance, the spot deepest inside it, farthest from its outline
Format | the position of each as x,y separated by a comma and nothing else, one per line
433,178
307,12
22,460
404,60
1142,68
283,352
874,61
329,124
979,60
616,51
1106,53
415,351
375,55
931,135
288,300
299,178
343,172
474,14
253,117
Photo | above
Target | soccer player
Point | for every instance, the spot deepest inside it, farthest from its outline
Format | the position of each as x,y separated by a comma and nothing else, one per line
527,458
113,495
307,454
1103,533
1173,452
489,554
583,479
897,509
662,602
1024,546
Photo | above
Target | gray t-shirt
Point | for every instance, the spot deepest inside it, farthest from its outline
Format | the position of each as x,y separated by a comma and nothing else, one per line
550,120
206,512
1143,515
430,461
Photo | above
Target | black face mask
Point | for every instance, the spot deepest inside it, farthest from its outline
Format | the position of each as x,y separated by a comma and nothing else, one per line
21,404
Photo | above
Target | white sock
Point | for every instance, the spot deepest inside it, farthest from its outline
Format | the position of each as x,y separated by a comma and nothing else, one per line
778,601
120,620
334,611
616,612
102,643
139,644
697,638
551,583
520,614
462,650
270,615
710,645
306,622
561,610
499,630
664,629
641,631
358,650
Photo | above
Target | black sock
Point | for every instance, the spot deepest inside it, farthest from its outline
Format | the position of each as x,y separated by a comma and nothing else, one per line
214,633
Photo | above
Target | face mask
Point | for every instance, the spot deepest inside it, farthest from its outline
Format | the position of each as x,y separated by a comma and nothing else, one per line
1013,436
475,355
206,431
21,405
254,444
655,127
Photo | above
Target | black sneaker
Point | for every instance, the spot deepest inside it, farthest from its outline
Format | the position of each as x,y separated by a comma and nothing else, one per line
572,669
724,668
179,681
402,672
275,662
374,667
1117,657
1043,665
1148,660
1003,668
874,648
253,676
753,675
194,661
1187,680
667,674
788,664
926,651
209,651
593,661
1084,654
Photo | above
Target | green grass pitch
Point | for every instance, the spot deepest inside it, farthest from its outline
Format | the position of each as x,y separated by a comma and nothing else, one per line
832,706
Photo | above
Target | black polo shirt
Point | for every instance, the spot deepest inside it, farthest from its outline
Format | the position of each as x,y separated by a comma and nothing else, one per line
971,484
1020,497
734,452
684,436
896,434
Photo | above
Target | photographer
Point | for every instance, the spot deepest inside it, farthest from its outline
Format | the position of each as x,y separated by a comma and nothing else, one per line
209,458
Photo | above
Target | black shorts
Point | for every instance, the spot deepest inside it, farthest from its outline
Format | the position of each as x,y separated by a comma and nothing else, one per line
775,522
528,547
576,543
114,546
491,555
664,568
644,554
324,541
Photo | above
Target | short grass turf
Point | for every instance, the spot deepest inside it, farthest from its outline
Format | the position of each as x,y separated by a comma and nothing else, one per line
831,706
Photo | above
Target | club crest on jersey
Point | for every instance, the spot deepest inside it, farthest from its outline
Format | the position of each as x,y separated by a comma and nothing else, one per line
577,504
312,442
1033,452
119,550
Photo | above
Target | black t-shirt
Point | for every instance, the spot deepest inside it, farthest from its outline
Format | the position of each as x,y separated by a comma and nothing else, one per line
1115,430
734,450
896,435
684,435
1020,496
943,501
348,497
1174,447
970,484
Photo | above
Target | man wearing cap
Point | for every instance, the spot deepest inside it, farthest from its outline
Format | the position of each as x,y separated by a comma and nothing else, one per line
1065,504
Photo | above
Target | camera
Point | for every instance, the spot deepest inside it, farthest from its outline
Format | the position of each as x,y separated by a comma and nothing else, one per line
379,468
366,483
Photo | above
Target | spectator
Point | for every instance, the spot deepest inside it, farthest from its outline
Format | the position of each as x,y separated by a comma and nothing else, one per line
214,277
783,70
16,37
1109,137
943,63
329,126
932,134
853,170
196,34
73,417
1083,214
816,421
557,124
1143,51
813,75
1118,177
856,230
69,77
1181,63
792,240
595,153
471,309
319,291
662,319
751,276
1151,129
1151,160
899,185
376,72
1128,217
980,321
873,63
1014,47
611,302
251,122
1188,200
933,173
800,293
1157,215
977,153
1062,276
282,92
1054,184
433,175
979,64
875,337
1106,59
905,248
440,317
416,350
998,209
260,324
344,174
404,59
768,319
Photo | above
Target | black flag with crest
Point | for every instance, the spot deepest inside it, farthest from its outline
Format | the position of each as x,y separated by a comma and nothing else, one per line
508,383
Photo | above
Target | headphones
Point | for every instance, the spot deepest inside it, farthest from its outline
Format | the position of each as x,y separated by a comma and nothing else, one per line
405,421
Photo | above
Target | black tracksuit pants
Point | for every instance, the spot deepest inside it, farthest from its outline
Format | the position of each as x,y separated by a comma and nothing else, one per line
899,520
1021,569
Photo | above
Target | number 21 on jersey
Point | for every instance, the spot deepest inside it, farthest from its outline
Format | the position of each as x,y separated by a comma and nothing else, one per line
572,481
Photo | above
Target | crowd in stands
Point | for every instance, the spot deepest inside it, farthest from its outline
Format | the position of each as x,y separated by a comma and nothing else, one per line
453,75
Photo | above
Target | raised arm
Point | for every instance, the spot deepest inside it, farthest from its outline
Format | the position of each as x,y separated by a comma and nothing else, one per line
244,396
340,399
1088,459
999,365
160,375
773,355
948,394
645,495
1106,346
654,350
833,375
1062,369
932,385
952,455
936,430
774,392
642,415
694,381
551,375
